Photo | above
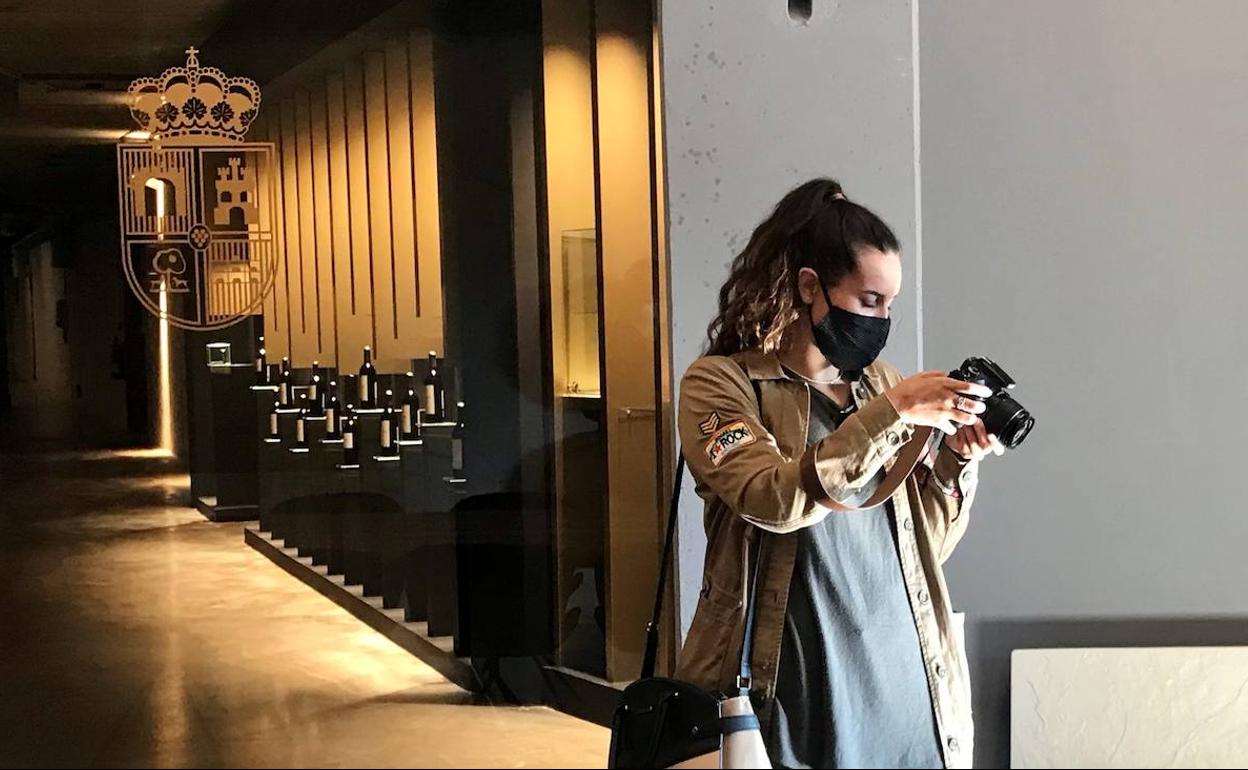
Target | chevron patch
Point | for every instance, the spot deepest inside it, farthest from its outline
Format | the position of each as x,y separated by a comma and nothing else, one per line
709,425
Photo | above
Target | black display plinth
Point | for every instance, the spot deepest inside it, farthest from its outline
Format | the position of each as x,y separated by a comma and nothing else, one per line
444,492
235,453
221,457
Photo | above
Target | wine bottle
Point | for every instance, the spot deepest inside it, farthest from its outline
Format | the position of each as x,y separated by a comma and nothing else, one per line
457,441
408,412
368,381
350,391
316,397
435,394
332,429
394,416
283,388
275,431
389,441
411,414
262,368
315,381
301,424
350,452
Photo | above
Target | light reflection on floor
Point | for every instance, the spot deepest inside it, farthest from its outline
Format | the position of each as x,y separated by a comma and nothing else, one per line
136,633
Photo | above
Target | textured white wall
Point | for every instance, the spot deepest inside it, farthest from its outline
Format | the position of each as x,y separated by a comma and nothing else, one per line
756,104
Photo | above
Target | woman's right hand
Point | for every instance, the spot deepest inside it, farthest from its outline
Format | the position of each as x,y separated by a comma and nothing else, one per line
937,400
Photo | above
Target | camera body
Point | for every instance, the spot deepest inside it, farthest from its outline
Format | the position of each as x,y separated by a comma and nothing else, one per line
1003,417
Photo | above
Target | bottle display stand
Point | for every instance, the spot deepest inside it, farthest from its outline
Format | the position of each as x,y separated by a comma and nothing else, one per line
410,547
382,527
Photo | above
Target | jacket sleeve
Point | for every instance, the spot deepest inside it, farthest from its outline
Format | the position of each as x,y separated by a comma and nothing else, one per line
946,485
733,456
946,490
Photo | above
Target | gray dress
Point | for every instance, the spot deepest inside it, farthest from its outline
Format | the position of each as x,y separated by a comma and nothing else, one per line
851,689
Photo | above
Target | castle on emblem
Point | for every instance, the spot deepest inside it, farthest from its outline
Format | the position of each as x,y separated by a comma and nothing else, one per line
236,189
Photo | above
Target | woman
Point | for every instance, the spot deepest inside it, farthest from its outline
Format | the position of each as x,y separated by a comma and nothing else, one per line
856,661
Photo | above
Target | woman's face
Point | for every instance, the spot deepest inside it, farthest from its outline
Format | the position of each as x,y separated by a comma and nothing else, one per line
869,290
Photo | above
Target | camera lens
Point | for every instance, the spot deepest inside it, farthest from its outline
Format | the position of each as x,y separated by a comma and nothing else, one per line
1008,420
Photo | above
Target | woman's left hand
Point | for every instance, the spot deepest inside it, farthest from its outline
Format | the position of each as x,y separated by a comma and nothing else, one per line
973,442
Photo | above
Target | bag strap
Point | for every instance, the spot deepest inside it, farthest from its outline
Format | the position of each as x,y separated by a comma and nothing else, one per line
907,459
650,658
652,628
745,674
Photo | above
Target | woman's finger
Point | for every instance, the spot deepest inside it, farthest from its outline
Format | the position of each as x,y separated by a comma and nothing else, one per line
954,414
969,388
997,447
982,440
970,405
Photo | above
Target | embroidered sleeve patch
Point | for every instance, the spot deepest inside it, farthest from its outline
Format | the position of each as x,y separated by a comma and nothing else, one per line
710,424
732,436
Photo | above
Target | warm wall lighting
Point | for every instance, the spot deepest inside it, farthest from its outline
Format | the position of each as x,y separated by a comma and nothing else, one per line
164,384
136,136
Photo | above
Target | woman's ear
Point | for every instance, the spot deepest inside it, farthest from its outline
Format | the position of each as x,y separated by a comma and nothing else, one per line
808,286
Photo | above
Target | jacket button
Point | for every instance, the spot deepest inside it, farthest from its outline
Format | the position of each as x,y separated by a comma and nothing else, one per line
940,669
923,597
953,743
908,524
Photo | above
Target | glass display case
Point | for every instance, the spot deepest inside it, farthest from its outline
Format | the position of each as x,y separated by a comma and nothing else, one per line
219,354
580,317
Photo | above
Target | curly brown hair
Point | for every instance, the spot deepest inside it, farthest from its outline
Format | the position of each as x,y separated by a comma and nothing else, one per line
813,226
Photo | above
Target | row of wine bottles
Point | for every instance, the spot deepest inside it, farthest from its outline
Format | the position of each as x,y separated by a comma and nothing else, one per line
399,423
433,392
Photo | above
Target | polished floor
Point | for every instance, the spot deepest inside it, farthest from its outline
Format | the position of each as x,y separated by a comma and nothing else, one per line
133,633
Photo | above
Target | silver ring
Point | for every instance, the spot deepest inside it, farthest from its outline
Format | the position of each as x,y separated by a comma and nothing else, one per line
961,404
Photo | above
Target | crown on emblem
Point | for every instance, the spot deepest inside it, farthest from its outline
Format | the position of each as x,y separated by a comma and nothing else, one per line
197,104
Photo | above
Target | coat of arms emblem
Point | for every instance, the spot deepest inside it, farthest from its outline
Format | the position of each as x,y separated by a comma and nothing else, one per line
198,204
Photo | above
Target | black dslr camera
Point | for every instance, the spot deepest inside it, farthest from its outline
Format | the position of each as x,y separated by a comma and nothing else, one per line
1004,417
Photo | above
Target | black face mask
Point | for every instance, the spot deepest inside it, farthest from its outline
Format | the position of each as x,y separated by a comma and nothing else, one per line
849,341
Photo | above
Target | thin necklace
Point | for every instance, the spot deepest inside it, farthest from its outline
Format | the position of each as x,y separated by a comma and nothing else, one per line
811,380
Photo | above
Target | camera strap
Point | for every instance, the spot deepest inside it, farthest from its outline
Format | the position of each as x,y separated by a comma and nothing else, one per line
907,458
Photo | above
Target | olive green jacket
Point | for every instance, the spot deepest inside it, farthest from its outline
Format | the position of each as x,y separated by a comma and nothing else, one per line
749,471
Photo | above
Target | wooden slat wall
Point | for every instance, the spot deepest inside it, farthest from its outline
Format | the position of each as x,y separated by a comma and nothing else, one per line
308,345
322,223
274,307
358,200
288,275
427,325
404,299
348,330
360,329
377,150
